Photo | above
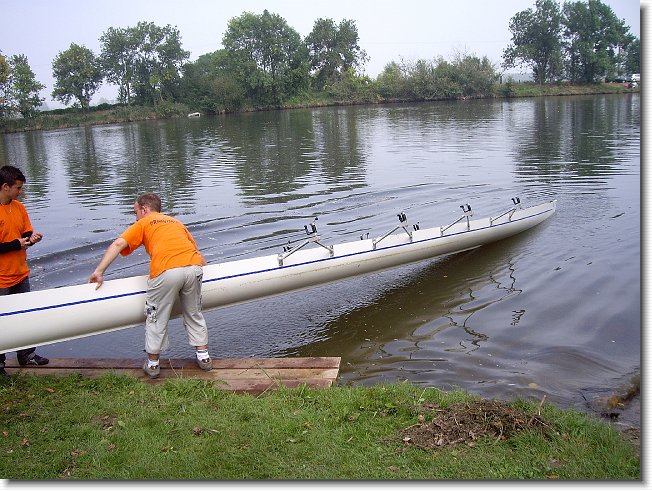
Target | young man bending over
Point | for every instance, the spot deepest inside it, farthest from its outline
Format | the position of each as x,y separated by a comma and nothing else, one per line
175,272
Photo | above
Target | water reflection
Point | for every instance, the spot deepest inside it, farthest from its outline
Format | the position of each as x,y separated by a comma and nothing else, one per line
89,174
270,157
579,138
29,152
423,306
275,155
156,160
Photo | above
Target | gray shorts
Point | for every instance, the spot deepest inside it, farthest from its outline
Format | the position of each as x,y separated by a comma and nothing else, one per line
179,288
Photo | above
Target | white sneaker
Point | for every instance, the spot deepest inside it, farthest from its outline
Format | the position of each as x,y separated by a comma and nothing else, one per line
153,372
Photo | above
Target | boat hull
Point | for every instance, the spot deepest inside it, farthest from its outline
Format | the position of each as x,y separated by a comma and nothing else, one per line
50,316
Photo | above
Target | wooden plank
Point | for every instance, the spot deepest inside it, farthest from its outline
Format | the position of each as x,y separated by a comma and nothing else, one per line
306,362
251,375
215,374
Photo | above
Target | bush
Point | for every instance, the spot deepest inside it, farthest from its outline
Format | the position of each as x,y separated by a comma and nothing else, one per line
168,109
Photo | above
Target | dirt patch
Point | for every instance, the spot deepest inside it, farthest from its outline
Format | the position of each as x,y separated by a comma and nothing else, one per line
634,436
468,422
108,422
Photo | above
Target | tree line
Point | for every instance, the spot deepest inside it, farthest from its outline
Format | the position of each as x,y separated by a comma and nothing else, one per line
265,63
582,42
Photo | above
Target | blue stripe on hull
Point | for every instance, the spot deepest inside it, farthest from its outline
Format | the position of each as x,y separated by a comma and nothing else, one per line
278,268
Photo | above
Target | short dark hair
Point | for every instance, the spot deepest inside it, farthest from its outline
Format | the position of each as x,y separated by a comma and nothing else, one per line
10,174
150,200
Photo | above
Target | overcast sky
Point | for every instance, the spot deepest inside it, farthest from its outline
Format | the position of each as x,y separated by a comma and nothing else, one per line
388,30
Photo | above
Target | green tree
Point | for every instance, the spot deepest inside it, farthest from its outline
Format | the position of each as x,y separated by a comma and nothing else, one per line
632,57
464,76
159,59
430,81
144,61
24,87
210,86
536,41
4,87
391,82
118,57
593,37
77,75
334,50
476,76
351,87
266,56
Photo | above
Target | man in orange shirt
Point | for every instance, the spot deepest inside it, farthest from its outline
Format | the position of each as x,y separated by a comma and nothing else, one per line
16,235
175,271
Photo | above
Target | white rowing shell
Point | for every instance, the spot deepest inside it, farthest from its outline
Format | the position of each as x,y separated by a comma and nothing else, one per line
49,316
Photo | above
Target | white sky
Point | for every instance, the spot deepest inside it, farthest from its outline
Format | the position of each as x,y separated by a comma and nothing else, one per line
388,30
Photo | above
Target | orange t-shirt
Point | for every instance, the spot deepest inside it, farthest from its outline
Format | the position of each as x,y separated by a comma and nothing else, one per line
14,222
166,240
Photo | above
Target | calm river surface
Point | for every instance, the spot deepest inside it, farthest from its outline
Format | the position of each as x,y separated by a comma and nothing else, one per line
555,311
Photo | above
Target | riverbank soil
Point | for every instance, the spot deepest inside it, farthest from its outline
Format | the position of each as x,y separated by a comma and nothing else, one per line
465,423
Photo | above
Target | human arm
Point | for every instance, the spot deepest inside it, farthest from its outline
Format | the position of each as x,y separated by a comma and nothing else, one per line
12,245
109,256
28,239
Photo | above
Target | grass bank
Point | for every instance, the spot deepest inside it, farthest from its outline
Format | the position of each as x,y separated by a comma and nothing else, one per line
117,427
71,118
560,89
106,114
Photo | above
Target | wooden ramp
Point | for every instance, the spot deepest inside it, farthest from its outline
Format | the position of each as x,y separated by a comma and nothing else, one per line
251,375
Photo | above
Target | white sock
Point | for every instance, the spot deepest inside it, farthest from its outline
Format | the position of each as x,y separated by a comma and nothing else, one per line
202,354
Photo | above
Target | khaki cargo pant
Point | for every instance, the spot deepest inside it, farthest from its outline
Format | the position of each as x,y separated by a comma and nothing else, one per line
163,291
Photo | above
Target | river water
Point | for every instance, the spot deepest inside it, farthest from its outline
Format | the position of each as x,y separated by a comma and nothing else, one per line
554,312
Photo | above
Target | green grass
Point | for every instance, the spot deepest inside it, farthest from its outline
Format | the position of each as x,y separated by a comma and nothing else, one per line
117,428
530,89
72,118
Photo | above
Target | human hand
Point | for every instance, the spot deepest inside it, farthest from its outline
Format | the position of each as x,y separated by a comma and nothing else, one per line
31,240
96,278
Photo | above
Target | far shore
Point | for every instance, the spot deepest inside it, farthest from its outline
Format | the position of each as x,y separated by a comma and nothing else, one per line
104,114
